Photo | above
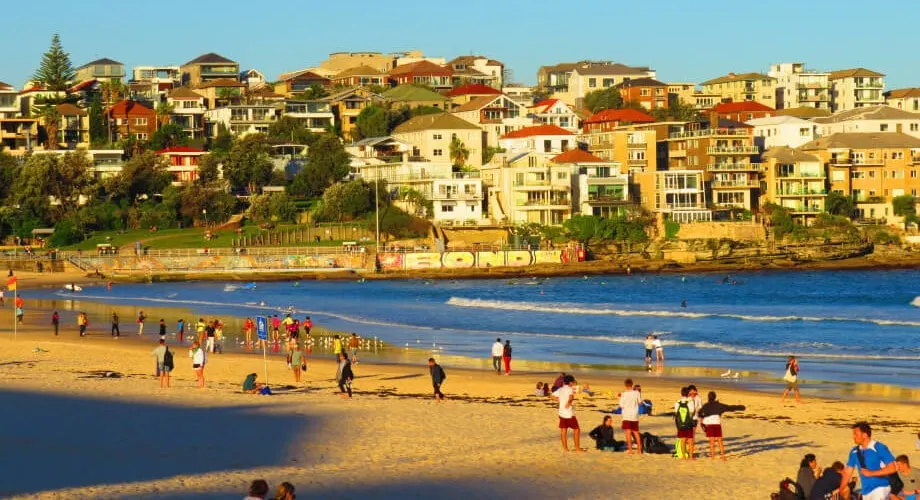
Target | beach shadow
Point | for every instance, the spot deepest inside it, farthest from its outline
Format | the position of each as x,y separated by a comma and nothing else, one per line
403,377
89,441
745,446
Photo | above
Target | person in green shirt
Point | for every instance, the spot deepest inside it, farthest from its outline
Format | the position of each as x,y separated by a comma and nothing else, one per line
250,385
298,363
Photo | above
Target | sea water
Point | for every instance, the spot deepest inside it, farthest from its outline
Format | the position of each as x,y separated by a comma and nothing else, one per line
845,326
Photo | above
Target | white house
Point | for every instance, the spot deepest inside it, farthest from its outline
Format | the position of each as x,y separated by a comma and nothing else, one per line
458,200
242,119
787,131
870,119
544,141
554,112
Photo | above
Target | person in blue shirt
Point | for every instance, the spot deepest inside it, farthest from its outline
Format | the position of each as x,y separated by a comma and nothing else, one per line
873,462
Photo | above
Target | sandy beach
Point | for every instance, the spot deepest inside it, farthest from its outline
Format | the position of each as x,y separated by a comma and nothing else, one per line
70,432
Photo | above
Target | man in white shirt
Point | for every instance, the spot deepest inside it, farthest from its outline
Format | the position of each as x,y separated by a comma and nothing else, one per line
566,397
629,406
497,350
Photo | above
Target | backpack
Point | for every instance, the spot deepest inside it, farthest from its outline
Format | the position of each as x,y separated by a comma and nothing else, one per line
683,417
443,375
654,444
789,490
168,359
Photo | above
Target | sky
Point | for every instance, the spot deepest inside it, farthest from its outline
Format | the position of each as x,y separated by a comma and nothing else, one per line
683,41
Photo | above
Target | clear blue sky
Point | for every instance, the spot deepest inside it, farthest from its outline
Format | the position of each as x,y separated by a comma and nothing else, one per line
683,41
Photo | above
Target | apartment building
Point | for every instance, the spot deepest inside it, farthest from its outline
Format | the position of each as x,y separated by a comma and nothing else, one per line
528,188
300,81
209,67
73,127
19,136
541,142
9,101
100,69
182,163
496,115
741,111
796,181
348,104
188,109
241,119
907,99
131,119
359,75
601,187
680,195
315,115
681,92
220,92
779,131
743,87
611,119
423,72
871,167
458,199
870,119
647,92
463,94
554,112
430,137
797,87
477,69
168,75
555,78
634,148
856,88
589,76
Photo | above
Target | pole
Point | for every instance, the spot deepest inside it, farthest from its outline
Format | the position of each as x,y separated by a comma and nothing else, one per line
265,361
377,206
15,307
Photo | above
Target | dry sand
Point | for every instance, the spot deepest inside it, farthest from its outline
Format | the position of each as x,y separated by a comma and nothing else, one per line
67,432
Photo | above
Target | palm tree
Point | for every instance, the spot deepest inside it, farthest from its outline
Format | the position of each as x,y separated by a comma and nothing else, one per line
164,111
51,118
113,91
459,153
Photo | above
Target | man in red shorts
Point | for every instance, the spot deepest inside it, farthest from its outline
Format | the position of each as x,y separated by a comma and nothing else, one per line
629,406
711,413
566,397
684,410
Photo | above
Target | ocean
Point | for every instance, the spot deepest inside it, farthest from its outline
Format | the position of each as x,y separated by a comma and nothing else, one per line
846,327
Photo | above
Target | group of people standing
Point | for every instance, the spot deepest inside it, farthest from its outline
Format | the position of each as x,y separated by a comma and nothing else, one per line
501,355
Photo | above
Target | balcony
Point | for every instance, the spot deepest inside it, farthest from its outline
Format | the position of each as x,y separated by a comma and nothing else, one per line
869,85
718,132
801,175
802,192
456,196
802,209
734,167
735,184
814,98
560,203
677,153
607,200
812,86
733,150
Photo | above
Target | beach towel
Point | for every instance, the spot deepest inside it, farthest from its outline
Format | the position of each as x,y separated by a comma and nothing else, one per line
265,391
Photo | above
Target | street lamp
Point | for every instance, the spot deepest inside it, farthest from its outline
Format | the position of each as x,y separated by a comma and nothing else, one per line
204,212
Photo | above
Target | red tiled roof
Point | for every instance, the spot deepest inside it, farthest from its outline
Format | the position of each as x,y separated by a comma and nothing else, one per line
472,89
620,115
577,156
546,104
83,85
536,131
179,149
420,67
743,106
127,108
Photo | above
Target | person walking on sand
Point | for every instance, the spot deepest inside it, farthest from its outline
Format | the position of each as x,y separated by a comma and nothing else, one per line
209,333
140,322
337,346
649,347
659,350
437,378
497,350
199,359
115,331
199,330
629,407
791,377
247,328
180,330
164,363
2,302
873,461
344,375
276,326
162,329
565,395
55,322
353,344
298,363
307,325
81,323
506,356
19,313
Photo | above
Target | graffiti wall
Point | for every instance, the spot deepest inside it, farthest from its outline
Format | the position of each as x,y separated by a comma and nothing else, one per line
467,260
490,259
217,263
458,260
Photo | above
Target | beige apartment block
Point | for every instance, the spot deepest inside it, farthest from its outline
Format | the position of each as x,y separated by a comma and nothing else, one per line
796,181
739,87
856,88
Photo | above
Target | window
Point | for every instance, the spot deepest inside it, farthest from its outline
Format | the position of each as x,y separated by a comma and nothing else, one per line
562,176
645,92
883,127
838,175
592,83
805,132
447,208
913,126
436,137
608,82
438,152
140,137
897,155
872,174
913,192
140,121
547,146
565,145
913,174
872,155
659,91
856,174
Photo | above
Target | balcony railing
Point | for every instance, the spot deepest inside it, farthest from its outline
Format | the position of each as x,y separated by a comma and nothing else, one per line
734,167
547,203
733,150
870,85
709,132
801,175
748,183
803,192
802,209
608,199
456,196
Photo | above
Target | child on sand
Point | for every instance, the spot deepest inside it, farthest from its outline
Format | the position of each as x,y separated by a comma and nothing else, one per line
711,415
603,435
566,397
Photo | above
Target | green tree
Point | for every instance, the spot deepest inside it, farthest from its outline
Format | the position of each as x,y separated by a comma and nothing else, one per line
290,130
9,171
248,164
417,200
274,207
168,135
328,163
164,112
196,199
223,142
838,204
143,176
459,153
55,71
905,206
781,220
208,168
98,131
372,122
346,201
51,119
312,93
602,99
489,152
677,110
227,95
44,178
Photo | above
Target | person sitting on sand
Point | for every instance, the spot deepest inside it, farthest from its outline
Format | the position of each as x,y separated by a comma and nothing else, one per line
603,435
909,476
285,492
546,389
808,473
258,490
250,385
827,487
540,391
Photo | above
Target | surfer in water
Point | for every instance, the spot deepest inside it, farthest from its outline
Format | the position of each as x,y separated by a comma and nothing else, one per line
683,304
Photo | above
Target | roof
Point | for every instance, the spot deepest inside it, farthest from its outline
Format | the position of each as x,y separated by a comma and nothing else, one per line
210,58
740,107
803,112
308,74
472,89
891,94
354,93
559,67
620,115
611,69
544,105
783,154
779,120
409,92
362,70
476,104
732,77
221,82
5,86
180,149
722,123
105,61
436,121
577,156
184,93
880,112
131,108
265,93
863,140
641,82
85,84
67,109
420,67
537,130
850,73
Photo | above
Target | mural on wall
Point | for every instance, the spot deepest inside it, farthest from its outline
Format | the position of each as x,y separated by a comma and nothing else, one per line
390,261
226,262
490,259
547,256
519,258
423,260
458,260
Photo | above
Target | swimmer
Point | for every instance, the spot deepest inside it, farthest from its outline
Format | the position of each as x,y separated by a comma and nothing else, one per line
683,304
296,283
683,279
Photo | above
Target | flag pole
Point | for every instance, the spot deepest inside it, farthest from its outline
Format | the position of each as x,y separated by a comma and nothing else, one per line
15,307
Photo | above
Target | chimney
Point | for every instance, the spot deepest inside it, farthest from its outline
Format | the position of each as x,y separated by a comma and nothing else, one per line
713,119
731,75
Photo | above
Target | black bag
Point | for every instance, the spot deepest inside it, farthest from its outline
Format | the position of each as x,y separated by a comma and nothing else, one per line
893,479
168,359
653,444
789,490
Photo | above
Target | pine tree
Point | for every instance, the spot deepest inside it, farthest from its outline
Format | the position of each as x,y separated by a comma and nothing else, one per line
98,133
55,71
